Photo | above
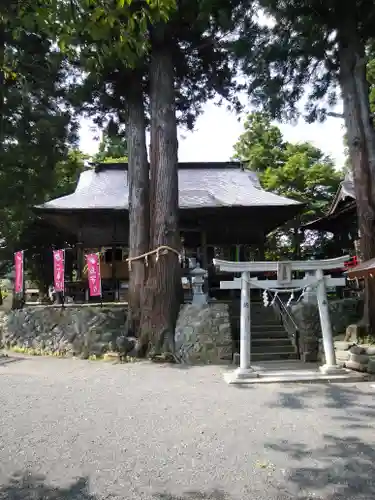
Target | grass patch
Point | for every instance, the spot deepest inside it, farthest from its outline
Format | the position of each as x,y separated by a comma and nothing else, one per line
31,351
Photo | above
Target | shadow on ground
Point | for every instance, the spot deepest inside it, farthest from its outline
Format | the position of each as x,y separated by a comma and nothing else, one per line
351,403
29,486
6,360
195,495
341,469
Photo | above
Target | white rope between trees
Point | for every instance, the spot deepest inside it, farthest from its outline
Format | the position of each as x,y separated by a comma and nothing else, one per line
162,250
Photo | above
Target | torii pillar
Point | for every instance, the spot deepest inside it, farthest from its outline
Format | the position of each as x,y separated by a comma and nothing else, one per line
285,281
245,370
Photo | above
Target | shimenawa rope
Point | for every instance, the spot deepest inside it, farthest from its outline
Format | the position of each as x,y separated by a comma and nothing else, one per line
162,250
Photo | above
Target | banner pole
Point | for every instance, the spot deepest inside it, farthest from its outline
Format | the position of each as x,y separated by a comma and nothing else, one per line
23,294
63,282
101,288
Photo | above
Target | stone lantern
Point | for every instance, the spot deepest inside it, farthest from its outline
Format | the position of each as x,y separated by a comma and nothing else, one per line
198,276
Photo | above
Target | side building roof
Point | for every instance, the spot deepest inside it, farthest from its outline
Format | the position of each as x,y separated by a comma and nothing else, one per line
343,203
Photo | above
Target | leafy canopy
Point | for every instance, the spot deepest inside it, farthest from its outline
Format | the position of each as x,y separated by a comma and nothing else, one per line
296,56
196,34
112,149
298,171
261,145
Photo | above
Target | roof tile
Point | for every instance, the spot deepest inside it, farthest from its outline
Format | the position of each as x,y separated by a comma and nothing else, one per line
198,188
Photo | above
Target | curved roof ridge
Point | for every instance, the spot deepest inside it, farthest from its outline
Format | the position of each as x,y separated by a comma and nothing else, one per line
198,188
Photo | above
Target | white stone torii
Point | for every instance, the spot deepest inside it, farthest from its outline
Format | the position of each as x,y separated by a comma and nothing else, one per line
284,281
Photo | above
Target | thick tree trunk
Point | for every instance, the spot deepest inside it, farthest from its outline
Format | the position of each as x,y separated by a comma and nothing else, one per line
139,208
361,143
163,288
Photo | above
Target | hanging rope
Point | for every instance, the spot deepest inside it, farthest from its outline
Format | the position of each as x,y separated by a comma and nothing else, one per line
162,250
277,291
262,286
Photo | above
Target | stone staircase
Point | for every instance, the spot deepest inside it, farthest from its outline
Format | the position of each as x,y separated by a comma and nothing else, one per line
269,339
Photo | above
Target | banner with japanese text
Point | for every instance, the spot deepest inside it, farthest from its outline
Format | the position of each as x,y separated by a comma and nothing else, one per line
18,277
93,273
59,270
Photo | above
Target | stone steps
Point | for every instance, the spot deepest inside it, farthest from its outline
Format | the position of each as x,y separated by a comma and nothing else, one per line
270,343
267,334
272,349
274,356
269,339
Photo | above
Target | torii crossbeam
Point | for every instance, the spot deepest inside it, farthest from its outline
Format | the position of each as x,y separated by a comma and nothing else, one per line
284,282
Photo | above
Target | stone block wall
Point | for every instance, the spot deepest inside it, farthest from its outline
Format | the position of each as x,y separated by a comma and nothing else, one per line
306,315
203,334
358,357
78,331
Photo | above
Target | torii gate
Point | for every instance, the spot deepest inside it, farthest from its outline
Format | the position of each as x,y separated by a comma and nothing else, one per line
315,277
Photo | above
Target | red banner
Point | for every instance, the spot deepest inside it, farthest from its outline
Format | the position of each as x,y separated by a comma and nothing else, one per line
18,278
59,270
93,273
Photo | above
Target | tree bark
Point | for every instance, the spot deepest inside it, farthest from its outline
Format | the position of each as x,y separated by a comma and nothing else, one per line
139,208
163,288
361,143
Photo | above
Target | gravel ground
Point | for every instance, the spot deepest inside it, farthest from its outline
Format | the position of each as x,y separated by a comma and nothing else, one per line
77,430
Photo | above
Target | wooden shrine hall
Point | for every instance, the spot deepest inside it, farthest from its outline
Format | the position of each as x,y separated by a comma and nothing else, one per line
224,213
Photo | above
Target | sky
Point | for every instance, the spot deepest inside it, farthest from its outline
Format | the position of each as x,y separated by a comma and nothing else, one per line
218,129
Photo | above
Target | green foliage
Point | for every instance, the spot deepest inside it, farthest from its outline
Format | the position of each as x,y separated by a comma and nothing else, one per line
306,175
66,173
112,149
298,171
296,56
196,36
371,76
261,145
103,28
31,351
35,129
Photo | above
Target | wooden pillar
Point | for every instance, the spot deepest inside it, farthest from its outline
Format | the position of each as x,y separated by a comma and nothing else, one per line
204,249
80,257
115,281
80,254
114,273
261,249
238,253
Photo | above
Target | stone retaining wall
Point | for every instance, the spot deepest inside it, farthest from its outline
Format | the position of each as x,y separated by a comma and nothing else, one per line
306,315
203,334
78,331
359,357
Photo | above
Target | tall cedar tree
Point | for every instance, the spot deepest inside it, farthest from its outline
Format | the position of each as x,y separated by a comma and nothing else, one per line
324,45
188,61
